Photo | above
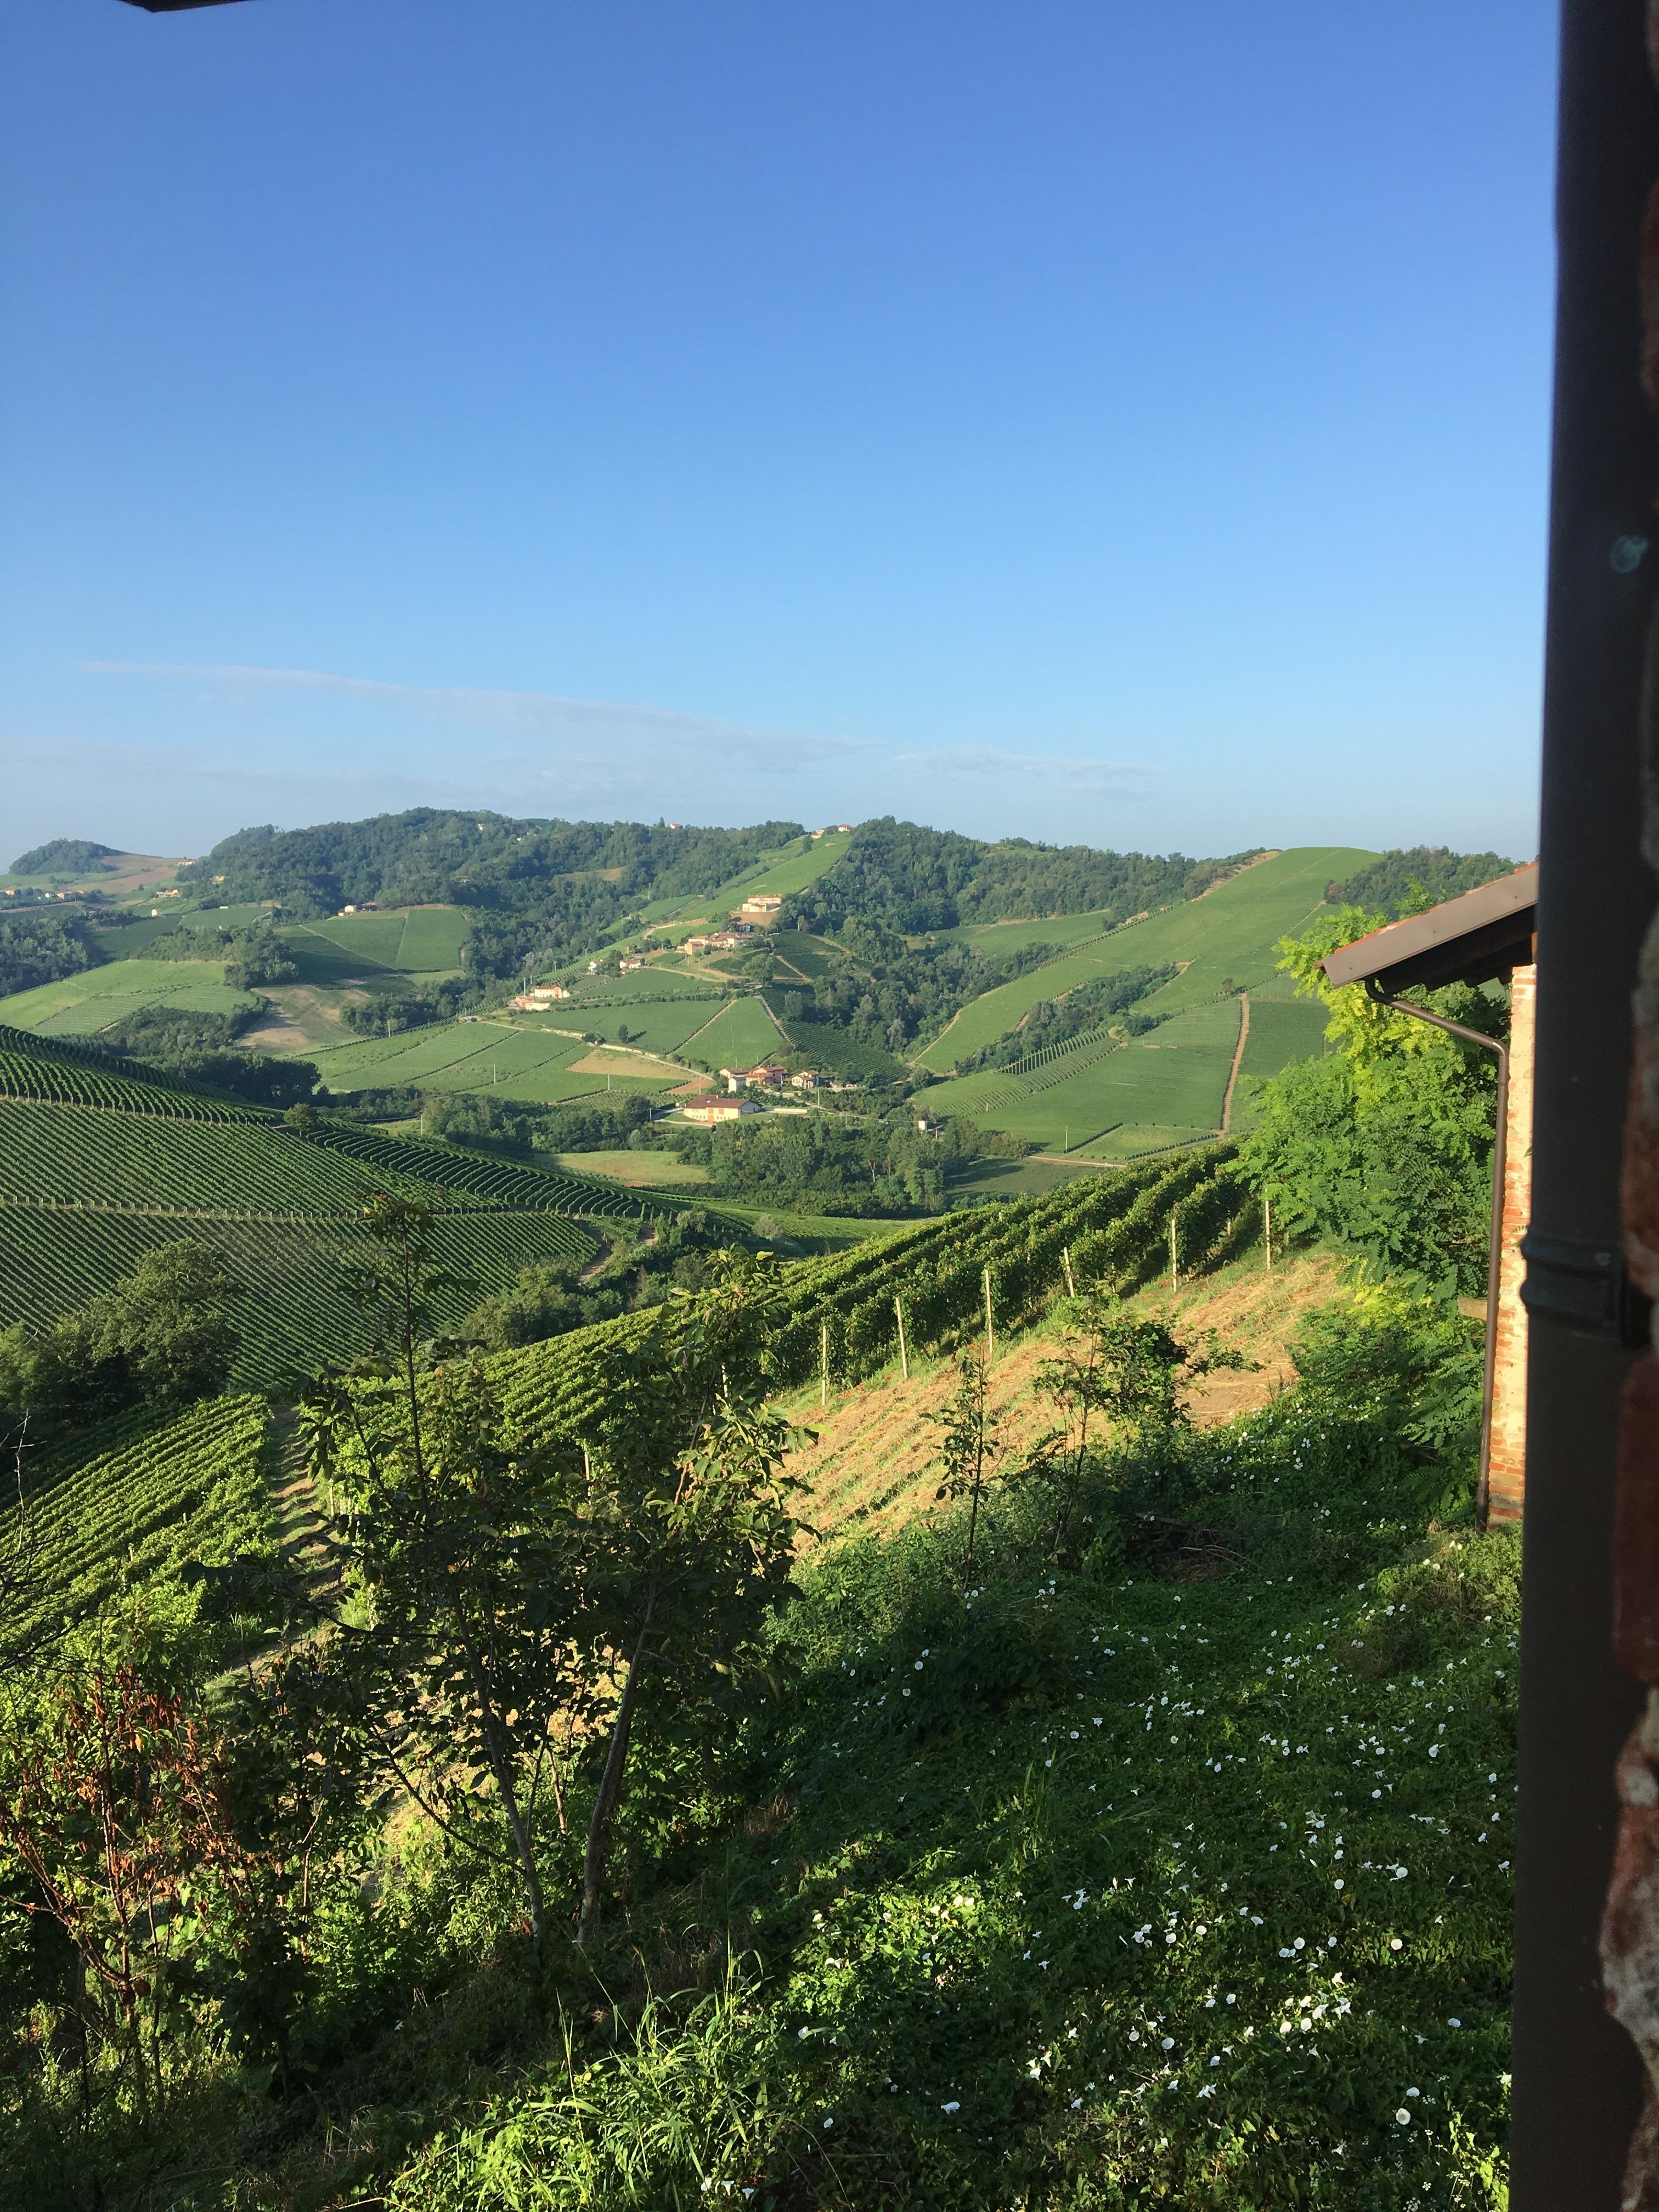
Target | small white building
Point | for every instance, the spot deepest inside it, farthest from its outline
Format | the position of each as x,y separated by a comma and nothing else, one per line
711,1106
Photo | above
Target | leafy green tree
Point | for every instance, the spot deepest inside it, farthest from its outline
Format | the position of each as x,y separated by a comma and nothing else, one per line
694,1534
1385,1144
39,948
162,1337
1391,1355
469,1558
1126,1374
515,1602
170,1324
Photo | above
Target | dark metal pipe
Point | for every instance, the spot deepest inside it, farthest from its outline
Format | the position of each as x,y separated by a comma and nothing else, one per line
1578,2079
1378,996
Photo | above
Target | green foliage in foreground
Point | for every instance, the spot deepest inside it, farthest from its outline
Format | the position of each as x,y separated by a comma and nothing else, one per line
1165,1864
1094,1886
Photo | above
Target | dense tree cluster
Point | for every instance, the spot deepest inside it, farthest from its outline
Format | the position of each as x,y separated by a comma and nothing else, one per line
1404,881
162,1337
890,993
833,1163
63,856
638,1271
39,948
537,891
251,957
596,1125
914,880
1054,1021
203,1047
403,1004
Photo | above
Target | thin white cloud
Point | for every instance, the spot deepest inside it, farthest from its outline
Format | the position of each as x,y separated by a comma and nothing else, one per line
521,713
1097,779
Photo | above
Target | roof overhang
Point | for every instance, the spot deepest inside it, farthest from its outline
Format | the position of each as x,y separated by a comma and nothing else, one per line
1466,940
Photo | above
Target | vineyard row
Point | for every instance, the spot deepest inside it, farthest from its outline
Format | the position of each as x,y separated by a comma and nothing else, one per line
840,1317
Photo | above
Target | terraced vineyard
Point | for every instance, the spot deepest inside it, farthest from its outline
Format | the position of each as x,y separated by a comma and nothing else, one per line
294,1314
139,1496
56,1071
133,1501
1113,1231
476,1175
97,1168
80,1156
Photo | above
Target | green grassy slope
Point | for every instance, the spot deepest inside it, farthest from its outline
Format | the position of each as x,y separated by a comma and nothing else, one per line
658,1028
421,940
80,1005
994,937
1230,932
1071,1894
742,1033
1165,1088
524,1061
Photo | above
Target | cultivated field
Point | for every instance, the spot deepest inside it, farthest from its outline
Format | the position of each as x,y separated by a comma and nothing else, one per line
97,1168
741,1033
81,1006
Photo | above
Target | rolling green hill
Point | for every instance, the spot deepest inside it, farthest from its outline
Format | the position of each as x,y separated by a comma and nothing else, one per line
1166,1088
526,1061
412,941
1227,934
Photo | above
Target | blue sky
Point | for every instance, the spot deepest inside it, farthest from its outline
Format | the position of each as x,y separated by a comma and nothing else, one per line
1073,418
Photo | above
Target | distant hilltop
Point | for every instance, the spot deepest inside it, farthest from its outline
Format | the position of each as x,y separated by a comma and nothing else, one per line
65,856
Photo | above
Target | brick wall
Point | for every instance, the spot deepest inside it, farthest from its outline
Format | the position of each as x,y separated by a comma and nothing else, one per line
1506,1464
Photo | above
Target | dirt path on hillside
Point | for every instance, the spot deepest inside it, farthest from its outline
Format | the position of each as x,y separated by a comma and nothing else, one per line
1238,1060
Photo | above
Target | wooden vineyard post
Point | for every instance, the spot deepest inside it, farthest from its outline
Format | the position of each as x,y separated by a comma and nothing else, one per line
904,1353
1071,1279
823,1366
1175,1271
990,1323
1268,1226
